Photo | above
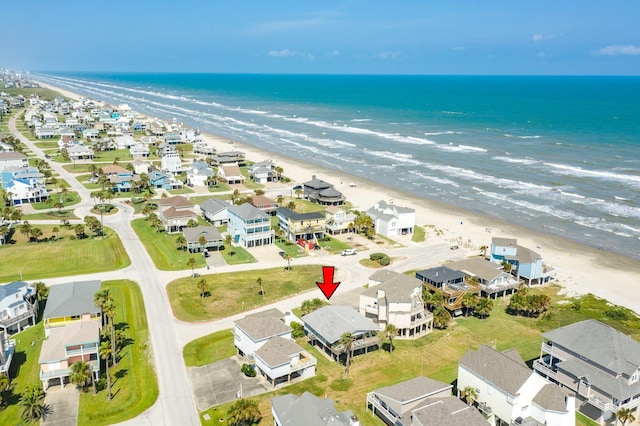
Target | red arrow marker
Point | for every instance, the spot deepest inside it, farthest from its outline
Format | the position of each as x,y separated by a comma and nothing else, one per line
328,287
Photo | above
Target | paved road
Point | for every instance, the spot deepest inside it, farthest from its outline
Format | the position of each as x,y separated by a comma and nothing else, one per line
175,405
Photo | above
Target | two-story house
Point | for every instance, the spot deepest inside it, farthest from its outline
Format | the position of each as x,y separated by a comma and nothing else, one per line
171,162
119,177
391,220
309,410
79,152
493,281
266,204
526,263
69,303
301,226
322,192
231,173
229,157
13,159
263,172
339,220
24,185
7,349
450,283
597,362
398,301
326,326
175,212
18,307
510,393
164,180
199,173
212,238
215,211
249,226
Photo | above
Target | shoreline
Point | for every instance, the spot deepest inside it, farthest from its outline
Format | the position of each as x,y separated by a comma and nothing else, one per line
582,269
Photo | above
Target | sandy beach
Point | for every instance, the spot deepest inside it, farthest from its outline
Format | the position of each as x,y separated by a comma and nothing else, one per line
582,269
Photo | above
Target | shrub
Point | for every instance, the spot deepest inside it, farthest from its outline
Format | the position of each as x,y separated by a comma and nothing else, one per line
380,258
248,371
297,330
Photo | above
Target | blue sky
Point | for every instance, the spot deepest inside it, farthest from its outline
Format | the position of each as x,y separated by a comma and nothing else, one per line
353,37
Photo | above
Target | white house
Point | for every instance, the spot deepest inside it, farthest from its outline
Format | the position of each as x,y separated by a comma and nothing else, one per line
391,220
171,162
251,332
18,307
282,360
231,173
13,159
509,391
215,211
198,173
25,184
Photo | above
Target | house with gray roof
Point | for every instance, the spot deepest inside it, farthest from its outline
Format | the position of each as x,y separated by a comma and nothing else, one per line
212,238
322,192
301,226
215,211
71,302
493,280
283,361
325,327
509,392
199,173
597,362
398,301
450,283
249,226
391,220
309,410
526,263
18,307
251,332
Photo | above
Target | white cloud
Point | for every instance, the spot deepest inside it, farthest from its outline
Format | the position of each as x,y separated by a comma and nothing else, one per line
538,37
387,55
288,53
618,49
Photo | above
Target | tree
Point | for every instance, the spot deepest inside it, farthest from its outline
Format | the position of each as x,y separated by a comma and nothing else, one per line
291,206
25,229
298,192
280,199
287,257
259,191
469,302
79,230
4,385
469,394
259,282
191,263
390,332
483,250
110,311
32,407
311,305
202,240
235,195
484,307
625,415
105,354
243,412
346,340
35,233
181,242
441,317
192,223
81,374
42,290
104,300
203,287
55,231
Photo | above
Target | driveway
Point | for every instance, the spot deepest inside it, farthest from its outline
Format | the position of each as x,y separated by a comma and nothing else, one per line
222,382
63,403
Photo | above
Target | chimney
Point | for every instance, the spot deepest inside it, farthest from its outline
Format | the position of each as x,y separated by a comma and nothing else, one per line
353,421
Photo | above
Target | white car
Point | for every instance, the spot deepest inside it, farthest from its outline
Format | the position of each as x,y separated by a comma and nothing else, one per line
349,252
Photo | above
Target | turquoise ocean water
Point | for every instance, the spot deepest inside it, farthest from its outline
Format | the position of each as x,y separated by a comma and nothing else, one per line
555,154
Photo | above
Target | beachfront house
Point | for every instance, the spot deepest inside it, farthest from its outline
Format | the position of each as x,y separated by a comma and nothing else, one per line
265,204
203,148
391,220
71,302
421,401
263,172
18,307
212,238
309,410
493,281
249,226
339,220
450,283
229,157
597,362
321,192
326,326
231,174
508,392
175,213
215,211
301,226
398,301
525,263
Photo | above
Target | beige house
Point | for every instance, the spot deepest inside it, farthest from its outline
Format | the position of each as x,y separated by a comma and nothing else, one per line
301,226
176,212
338,220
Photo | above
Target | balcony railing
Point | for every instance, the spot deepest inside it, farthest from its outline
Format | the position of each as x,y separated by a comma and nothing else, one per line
83,351
387,414
545,369
6,322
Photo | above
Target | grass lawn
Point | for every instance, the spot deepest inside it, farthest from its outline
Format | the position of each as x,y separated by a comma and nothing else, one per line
66,256
135,387
418,234
437,354
162,248
220,187
70,199
290,248
184,190
304,206
51,214
335,246
110,156
235,255
232,293
208,349
24,371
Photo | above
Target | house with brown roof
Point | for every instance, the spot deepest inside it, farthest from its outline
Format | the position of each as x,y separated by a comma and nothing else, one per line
507,390
422,401
176,212
231,173
339,220
398,301
266,204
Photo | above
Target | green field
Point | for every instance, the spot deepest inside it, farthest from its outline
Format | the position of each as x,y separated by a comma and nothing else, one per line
65,256
211,348
231,293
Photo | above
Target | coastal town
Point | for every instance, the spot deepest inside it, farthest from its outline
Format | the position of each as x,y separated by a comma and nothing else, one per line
158,275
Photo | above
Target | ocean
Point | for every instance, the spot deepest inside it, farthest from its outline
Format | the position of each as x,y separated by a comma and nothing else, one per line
559,155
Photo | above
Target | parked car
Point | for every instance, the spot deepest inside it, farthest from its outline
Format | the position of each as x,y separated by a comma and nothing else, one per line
454,247
349,252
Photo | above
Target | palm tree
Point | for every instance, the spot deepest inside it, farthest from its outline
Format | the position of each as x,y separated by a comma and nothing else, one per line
31,403
104,300
346,340
280,199
469,394
243,412
287,257
484,307
299,192
235,195
390,331
258,191
42,291
441,317
259,281
202,240
279,171
55,231
191,263
483,250
105,354
203,287
625,415
181,242
291,205
110,311
81,374
469,302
